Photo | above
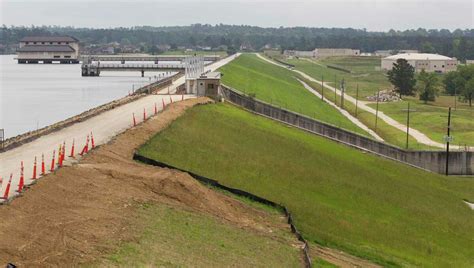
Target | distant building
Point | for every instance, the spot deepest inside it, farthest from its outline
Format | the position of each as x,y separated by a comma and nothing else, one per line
323,52
468,62
428,62
331,52
386,53
48,49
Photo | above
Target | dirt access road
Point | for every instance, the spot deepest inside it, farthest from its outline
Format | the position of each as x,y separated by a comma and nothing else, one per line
104,127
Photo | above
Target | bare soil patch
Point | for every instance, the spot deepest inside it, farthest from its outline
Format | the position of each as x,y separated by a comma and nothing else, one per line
81,212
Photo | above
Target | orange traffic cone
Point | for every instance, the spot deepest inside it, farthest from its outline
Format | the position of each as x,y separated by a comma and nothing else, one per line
156,110
7,190
92,141
21,184
134,120
43,171
171,100
72,149
144,114
63,153
163,101
52,161
60,151
34,170
86,147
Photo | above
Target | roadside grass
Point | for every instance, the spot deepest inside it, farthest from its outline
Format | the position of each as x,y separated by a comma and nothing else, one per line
340,197
389,133
364,73
279,87
432,120
176,237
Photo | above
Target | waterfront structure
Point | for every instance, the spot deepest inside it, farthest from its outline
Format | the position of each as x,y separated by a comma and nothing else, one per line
48,49
422,61
322,52
390,52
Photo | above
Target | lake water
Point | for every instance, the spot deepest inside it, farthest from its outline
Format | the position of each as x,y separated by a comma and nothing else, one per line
33,96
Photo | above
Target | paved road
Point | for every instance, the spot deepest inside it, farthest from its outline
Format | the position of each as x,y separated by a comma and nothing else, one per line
344,113
104,126
417,135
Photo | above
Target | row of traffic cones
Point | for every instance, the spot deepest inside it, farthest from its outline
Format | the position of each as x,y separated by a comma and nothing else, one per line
155,110
60,161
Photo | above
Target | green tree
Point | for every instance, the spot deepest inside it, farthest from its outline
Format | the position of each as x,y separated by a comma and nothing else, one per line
402,77
427,47
449,82
468,91
427,86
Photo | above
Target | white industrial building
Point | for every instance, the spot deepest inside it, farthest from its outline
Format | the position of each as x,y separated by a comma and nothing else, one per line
48,49
423,61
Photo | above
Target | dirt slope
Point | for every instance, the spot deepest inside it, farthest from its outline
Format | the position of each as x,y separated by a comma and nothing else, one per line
73,215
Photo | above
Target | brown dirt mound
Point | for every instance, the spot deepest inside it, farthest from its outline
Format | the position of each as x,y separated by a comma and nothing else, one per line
71,216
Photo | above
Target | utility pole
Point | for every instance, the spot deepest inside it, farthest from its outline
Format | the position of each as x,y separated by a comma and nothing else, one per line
322,87
408,123
377,111
455,99
357,98
448,137
335,89
342,86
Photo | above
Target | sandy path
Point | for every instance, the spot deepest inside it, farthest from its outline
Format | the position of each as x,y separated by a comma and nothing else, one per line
104,127
344,112
417,135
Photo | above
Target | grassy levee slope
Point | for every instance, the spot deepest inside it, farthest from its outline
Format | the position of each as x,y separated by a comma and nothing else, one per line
279,86
340,197
176,237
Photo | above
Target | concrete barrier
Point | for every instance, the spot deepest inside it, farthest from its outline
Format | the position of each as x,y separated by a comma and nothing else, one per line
460,162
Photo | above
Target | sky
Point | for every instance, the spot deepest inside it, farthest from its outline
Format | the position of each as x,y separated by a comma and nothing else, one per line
373,15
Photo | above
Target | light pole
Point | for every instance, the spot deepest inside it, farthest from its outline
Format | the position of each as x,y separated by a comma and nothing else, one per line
448,139
377,111
357,98
322,87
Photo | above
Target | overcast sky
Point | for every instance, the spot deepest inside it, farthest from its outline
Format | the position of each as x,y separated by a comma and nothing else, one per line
373,15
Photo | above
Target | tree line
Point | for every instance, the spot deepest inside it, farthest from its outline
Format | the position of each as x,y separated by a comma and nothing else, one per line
459,83
458,43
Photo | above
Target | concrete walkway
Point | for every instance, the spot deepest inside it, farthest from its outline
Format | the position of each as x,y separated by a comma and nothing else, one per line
417,135
344,113
104,126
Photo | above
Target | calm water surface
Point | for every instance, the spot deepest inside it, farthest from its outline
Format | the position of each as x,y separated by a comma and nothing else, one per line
36,95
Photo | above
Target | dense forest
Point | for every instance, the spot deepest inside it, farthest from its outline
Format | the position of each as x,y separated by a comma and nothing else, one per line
458,43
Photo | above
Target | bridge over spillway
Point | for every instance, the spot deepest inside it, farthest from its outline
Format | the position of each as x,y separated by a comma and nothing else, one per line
155,58
94,69
92,65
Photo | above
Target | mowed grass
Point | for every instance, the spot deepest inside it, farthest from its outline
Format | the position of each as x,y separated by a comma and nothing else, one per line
432,120
280,87
175,237
340,197
363,69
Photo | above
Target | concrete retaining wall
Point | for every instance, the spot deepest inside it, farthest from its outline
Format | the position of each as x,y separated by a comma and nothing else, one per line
460,163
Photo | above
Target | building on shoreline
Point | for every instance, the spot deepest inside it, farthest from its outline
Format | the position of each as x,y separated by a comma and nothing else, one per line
48,49
423,61
323,52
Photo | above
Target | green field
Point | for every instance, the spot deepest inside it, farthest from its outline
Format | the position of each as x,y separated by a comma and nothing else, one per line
175,237
363,69
340,197
432,119
279,86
